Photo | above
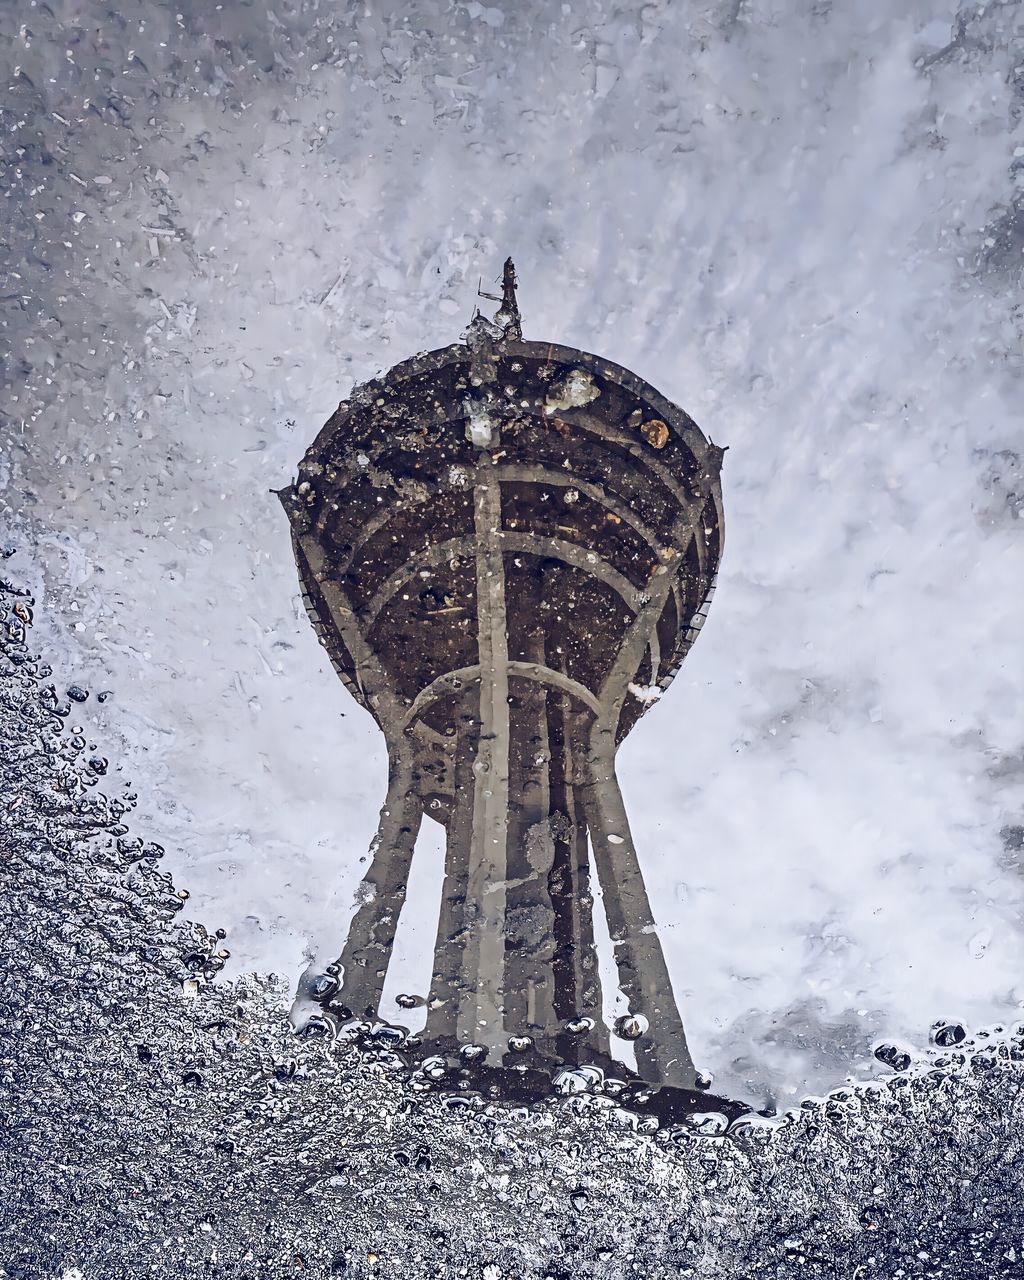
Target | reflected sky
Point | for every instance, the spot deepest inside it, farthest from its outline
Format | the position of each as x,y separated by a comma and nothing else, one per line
798,224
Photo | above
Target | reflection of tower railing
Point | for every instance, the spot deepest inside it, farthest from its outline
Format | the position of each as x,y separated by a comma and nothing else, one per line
507,548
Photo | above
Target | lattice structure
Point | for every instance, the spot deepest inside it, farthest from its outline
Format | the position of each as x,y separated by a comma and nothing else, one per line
507,548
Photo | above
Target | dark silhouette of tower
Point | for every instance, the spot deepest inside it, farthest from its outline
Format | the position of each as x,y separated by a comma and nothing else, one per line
508,548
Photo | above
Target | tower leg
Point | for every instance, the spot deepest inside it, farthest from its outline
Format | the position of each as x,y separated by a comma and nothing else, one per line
529,915
662,1054
480,1016
450,977
381,895
576,972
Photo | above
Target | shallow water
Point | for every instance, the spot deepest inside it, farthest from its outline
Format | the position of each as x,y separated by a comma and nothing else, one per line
798,222
161,1118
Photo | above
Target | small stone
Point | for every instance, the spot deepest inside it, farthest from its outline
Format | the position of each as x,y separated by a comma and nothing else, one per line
655,432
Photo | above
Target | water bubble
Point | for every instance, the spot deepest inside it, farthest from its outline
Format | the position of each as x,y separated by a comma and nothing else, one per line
750,1126
390,1060
324,986
473,1052
947,1034
707,1124
872,1216
385,1033
317,1027
520,1044
631,1026
434,1067
896,1058
456,1103
579,1026
352,1028
570,1080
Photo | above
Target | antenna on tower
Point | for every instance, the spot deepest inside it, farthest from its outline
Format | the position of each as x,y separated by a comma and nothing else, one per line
507,316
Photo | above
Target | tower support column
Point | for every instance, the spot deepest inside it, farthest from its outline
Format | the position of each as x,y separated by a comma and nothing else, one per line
480,1013
381,895
662,1056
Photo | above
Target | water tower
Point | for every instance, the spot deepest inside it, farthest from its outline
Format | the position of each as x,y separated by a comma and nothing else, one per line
507,549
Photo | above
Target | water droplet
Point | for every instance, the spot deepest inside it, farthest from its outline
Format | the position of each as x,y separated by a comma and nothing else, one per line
408,1002
473,1052
579,1026
76,693
570,1080
947,1034
707,1124
385,1033
353,1028
872,1217
520,1044
892,1057
317,1027
631,1026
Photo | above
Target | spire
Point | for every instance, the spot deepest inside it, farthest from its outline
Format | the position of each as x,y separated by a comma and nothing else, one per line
507,322
508,316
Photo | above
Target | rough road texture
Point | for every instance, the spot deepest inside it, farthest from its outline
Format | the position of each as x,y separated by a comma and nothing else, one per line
156,1122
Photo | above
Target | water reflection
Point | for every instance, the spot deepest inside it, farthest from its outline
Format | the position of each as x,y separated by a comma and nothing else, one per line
508,548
